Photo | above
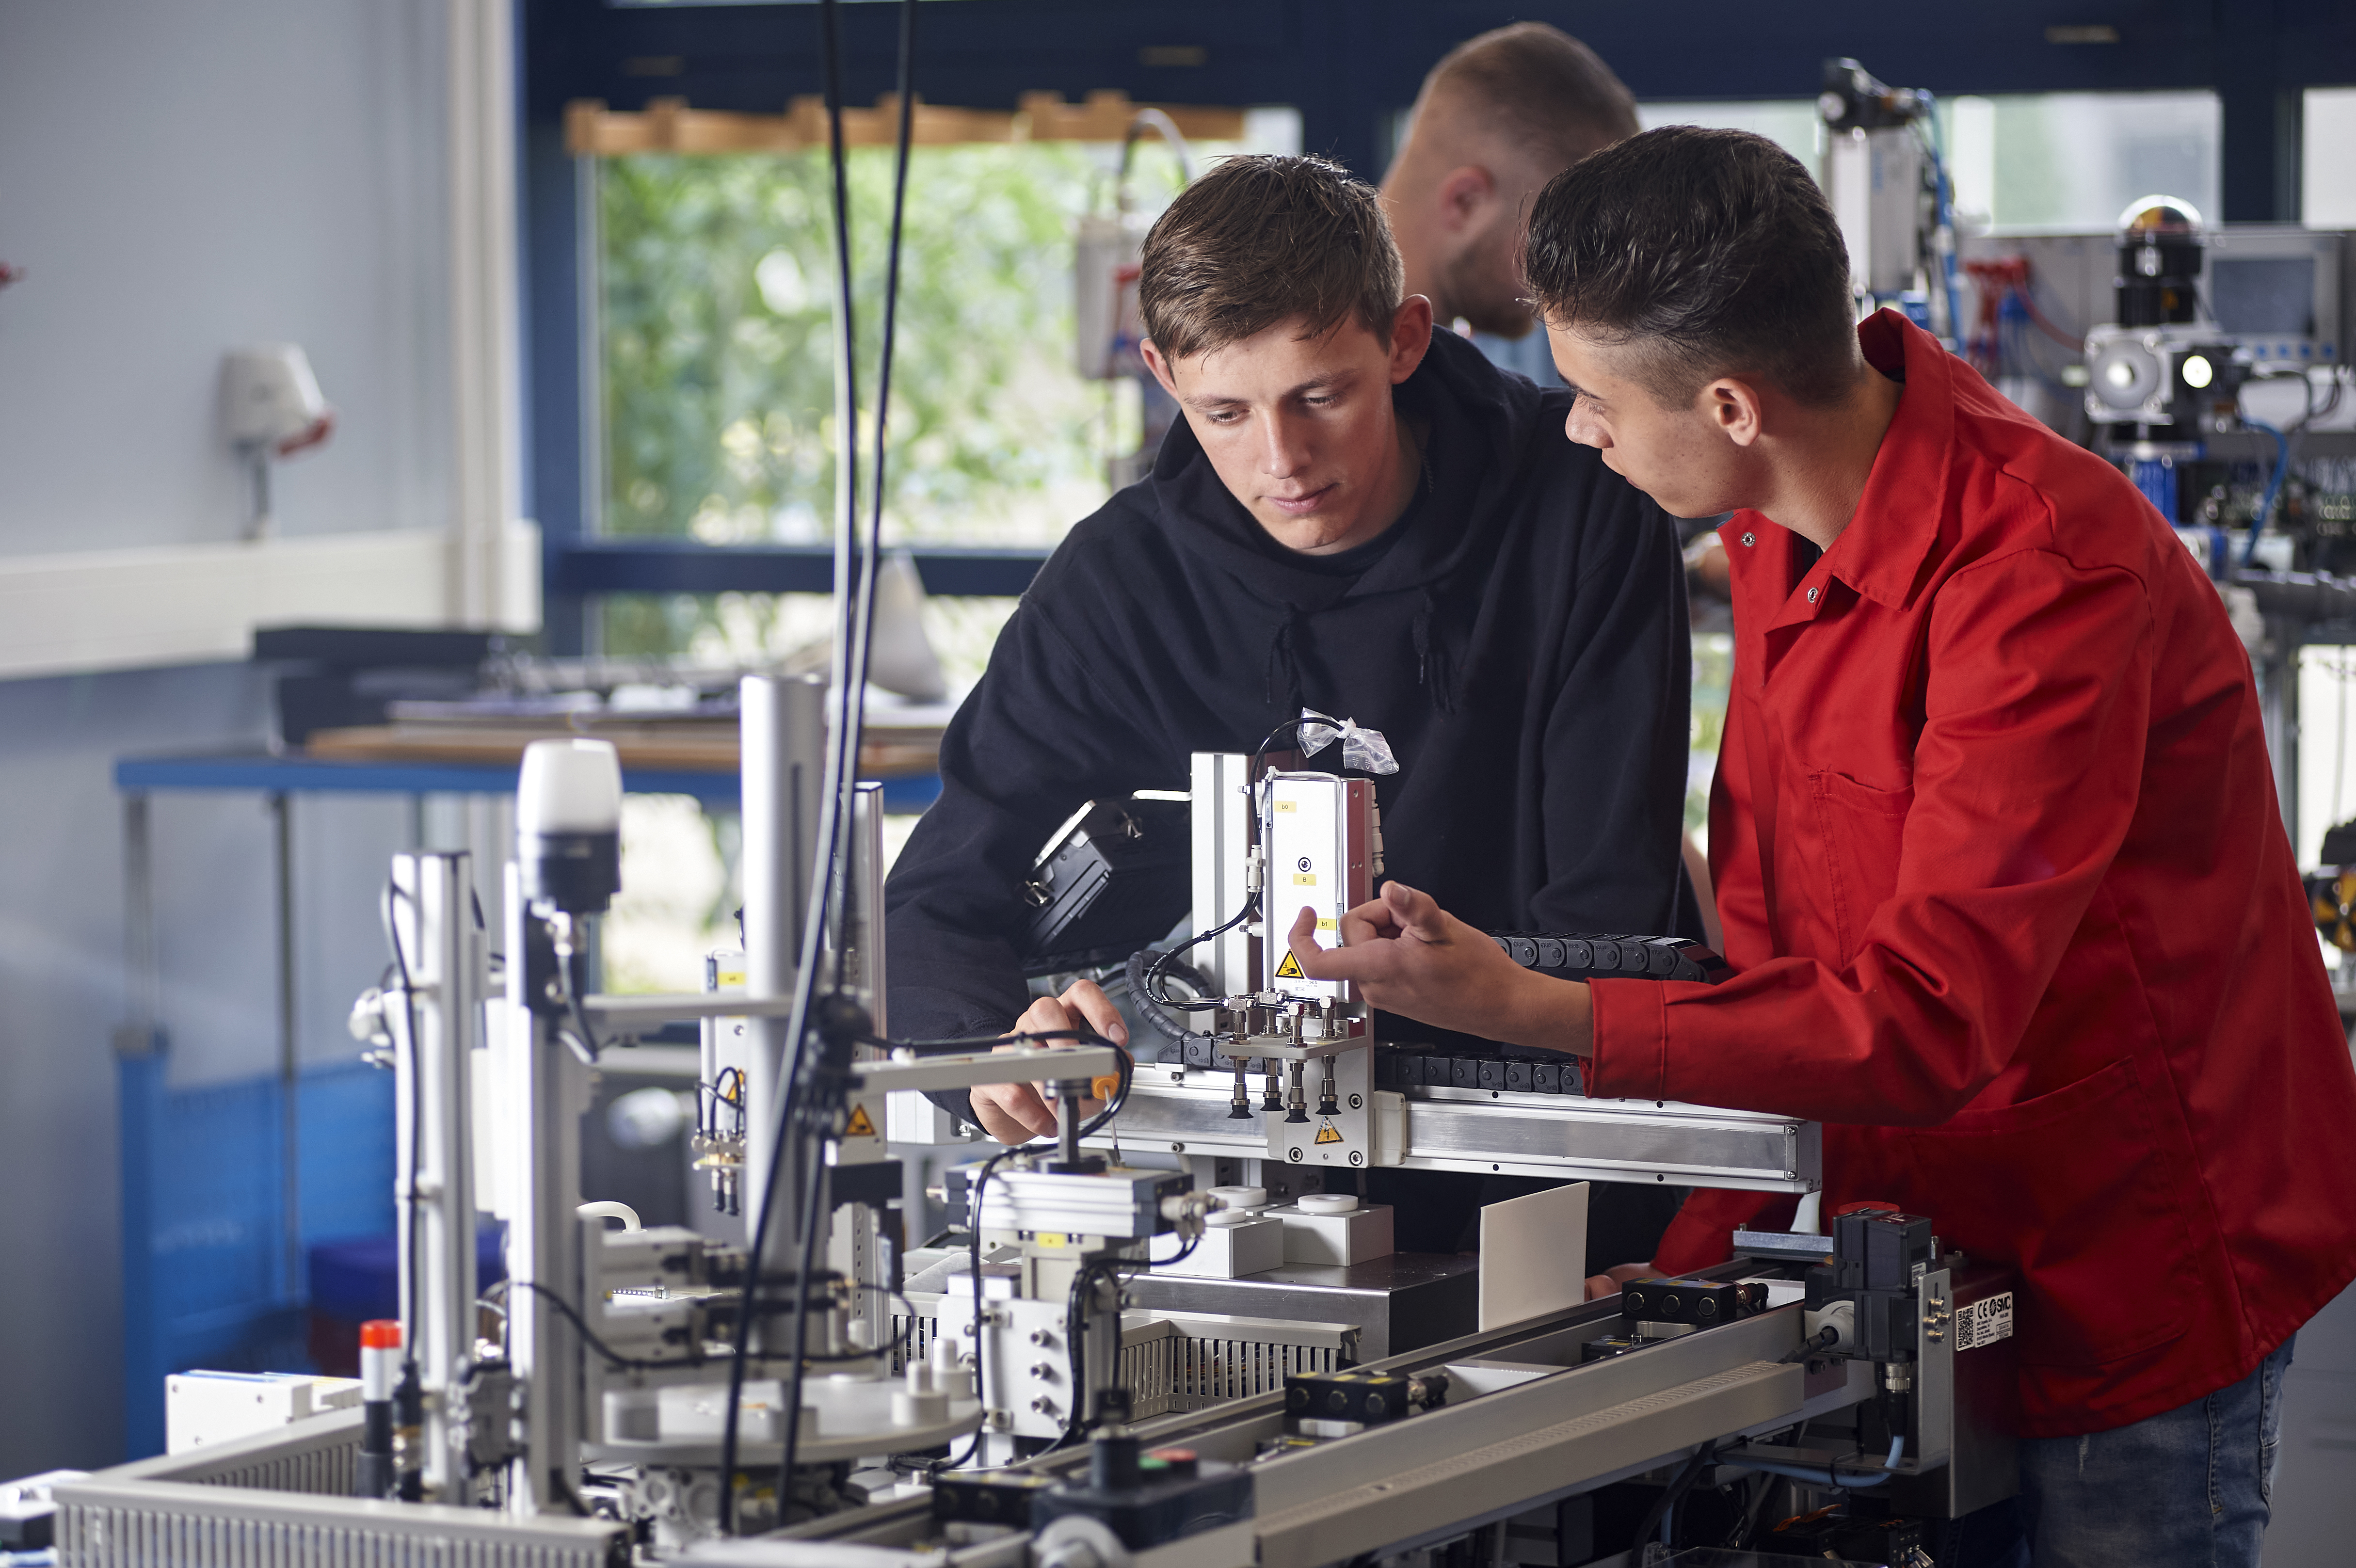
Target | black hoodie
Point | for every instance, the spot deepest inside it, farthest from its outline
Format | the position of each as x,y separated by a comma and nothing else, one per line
1522,645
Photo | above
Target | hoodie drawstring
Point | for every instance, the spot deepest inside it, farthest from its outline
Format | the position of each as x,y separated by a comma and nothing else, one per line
1281,656
1431,664
1431,670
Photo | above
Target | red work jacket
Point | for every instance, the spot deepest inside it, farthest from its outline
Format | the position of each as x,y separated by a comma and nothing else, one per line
2004,877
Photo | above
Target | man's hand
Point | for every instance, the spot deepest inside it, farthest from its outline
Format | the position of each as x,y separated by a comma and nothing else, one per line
1409,955
1608,1282
1017,1112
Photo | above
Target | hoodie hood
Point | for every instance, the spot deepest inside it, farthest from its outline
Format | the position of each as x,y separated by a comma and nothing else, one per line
1480,420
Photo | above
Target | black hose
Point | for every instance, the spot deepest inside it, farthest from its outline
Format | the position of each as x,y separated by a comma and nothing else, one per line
1671,1495
855,558
1150,1012
1167,963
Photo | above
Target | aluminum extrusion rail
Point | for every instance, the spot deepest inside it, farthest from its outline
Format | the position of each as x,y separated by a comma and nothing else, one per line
1567,1428
1503,1132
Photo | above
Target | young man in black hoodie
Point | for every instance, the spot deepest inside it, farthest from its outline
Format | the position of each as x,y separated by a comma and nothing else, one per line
1359,515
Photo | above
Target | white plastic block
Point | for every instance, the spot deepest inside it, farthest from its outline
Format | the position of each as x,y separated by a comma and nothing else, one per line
203,1408
1336,1239
1230,1252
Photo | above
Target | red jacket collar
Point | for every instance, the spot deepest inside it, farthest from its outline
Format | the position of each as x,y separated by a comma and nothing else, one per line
1882,551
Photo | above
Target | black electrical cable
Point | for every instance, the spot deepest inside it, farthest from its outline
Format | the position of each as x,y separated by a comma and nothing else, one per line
628,1363
580,1325
973,1281
1152,1017
813,1189
863,624
1268,742
1180,1256
1076,1331
1823,1339
722,1099
1154,992
570,995
1674,1493
898,1341
1746,1524
854,581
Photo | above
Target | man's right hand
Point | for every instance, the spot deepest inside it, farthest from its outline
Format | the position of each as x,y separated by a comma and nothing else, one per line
1608,1282
1017,1112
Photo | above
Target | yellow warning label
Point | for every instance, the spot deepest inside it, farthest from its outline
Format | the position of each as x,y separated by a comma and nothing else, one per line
1327,1132
1305,879
860,1125
1289,970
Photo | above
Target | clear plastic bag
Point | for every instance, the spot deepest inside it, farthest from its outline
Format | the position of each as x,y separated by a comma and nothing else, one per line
1364,749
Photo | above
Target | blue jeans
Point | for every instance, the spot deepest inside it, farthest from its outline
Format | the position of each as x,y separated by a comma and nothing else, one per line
2186,1488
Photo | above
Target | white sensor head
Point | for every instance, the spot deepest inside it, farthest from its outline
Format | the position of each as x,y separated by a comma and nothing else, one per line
568,824
569,786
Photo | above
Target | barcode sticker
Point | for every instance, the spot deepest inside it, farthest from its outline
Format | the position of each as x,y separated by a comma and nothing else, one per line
1984,1322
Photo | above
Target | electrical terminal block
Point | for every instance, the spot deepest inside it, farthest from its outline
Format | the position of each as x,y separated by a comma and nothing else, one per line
1704,1303
1365,1398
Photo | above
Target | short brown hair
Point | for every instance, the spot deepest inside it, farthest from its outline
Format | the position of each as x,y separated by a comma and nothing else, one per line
1537,87
1261,240
1708,252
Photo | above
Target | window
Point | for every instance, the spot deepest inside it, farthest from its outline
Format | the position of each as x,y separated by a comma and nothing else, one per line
2070,162
2051,162
2327,174
1791,123
716,359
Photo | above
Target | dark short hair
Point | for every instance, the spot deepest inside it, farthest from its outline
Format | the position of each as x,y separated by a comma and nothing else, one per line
1262,240
1539,88
1710,252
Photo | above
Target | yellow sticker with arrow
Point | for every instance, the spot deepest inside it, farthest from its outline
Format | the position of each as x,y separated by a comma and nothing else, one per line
860,1125
1289,970
1327,1132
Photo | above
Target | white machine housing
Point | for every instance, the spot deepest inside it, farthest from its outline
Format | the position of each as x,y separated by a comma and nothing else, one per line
1316,839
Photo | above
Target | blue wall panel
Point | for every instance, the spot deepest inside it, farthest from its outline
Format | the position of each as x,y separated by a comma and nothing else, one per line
206,1274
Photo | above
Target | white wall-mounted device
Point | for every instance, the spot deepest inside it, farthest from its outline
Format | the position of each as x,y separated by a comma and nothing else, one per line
270,408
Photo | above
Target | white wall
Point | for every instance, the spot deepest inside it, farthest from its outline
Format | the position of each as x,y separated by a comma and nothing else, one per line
177,177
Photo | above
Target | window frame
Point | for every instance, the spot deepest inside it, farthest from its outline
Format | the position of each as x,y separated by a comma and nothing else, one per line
987,53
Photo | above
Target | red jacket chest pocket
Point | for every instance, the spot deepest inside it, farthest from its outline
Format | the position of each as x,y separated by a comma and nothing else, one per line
1856,835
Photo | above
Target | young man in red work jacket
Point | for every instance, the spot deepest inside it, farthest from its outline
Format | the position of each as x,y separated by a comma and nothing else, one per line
1997,849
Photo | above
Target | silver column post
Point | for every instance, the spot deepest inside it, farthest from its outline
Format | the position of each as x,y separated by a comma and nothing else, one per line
546,1090
852,1248
1222,819
441,953
783,746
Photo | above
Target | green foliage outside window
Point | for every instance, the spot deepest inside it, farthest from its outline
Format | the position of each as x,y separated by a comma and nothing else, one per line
719,355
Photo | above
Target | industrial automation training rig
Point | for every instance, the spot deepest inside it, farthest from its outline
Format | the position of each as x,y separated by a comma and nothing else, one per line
1183,1348
1175,1335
